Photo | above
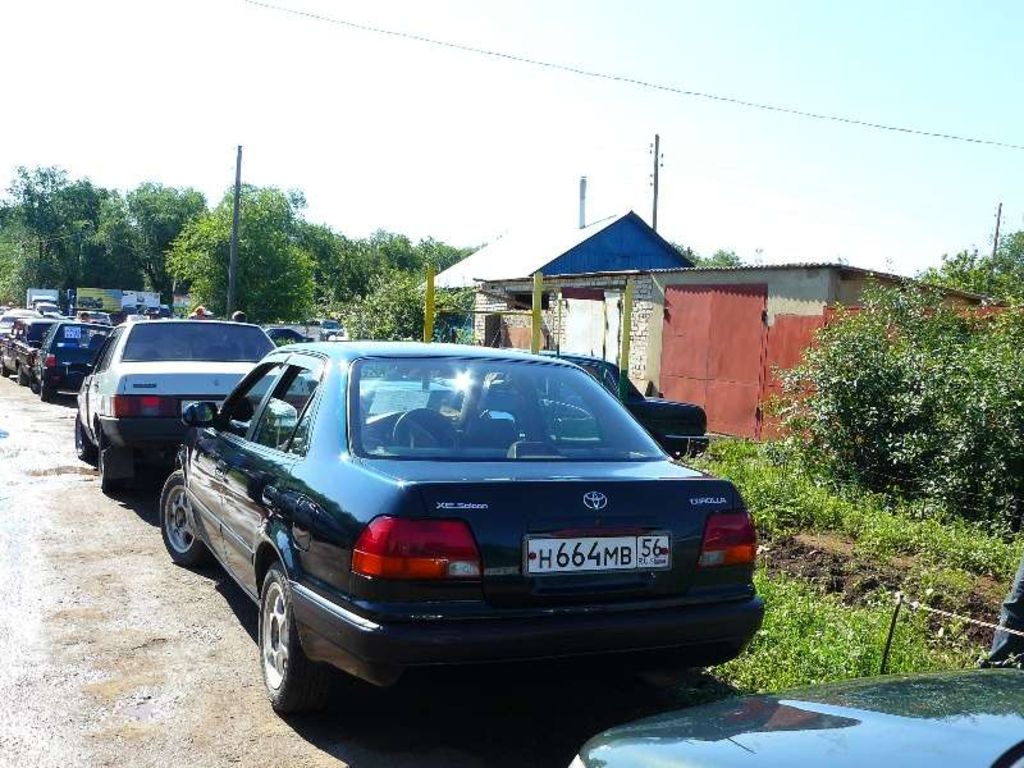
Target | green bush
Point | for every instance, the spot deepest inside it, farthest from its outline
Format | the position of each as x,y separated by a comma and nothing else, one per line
918,399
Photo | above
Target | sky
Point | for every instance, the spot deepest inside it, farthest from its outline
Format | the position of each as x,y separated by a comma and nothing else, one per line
386,133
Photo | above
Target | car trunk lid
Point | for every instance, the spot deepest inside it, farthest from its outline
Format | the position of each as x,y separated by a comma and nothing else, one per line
647,499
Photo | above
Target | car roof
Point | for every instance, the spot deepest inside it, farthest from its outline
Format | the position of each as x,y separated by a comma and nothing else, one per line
186,321
354,350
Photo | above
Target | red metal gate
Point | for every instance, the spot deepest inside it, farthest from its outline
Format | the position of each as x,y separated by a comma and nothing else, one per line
713,352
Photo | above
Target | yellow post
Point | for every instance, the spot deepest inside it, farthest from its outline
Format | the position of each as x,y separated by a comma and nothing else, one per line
428,307
625,328
538,293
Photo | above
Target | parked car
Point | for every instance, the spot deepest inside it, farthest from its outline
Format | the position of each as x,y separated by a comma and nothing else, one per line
396,505
7,319
955,719
66,357
281,336
129,407
93,316
332,330
680,428
18,350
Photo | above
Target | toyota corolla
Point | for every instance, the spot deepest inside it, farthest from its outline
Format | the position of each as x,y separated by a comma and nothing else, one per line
400,505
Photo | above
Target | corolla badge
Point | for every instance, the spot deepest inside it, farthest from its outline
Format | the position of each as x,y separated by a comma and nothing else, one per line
699,501
595,500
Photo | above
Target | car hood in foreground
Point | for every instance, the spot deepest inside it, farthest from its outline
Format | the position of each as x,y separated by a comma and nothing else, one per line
959,719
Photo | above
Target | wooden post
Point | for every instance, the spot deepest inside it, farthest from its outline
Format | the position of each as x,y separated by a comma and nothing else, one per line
538,296
428,307
625,330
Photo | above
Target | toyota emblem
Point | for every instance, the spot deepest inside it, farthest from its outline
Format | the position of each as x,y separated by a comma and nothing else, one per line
595,500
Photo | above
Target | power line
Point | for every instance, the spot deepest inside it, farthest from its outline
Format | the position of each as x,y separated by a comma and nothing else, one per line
636,81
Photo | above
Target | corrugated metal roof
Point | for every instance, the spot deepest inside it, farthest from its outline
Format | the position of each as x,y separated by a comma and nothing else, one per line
517,255
624,240
981,298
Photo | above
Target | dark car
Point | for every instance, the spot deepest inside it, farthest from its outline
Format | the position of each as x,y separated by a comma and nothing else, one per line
67,356
400,505
283,336
971,719
680,428
21,346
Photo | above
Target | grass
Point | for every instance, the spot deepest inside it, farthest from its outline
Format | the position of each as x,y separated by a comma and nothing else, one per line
810,637
785,499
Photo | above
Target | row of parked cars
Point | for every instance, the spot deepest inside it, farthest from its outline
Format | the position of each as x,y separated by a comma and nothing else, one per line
391,506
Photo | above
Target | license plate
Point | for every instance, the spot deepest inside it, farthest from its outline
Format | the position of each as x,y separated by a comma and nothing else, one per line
186,403
648,552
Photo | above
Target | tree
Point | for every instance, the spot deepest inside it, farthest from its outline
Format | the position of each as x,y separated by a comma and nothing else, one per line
720,258
393,307
157,215
275,271
1000,276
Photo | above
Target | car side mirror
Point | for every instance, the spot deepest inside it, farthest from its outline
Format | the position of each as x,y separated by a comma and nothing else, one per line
199,415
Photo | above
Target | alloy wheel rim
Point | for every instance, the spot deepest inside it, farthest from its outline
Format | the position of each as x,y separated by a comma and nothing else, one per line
176,521
274,628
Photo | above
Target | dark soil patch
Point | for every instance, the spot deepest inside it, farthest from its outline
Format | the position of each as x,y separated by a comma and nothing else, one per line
829,562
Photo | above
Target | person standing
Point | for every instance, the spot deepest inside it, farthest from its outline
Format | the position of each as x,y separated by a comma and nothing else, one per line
238,316
1008,649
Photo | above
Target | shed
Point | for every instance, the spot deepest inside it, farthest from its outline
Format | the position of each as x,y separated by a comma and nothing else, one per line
715,336
614,244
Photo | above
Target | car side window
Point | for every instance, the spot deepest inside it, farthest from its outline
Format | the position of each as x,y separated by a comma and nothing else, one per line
103,361
288,409
239,412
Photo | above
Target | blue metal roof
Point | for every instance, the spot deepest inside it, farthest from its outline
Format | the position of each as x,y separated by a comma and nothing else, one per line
615,244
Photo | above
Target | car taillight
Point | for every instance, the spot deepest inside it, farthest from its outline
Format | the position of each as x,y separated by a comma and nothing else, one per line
729,539
50,361
398,548
131,406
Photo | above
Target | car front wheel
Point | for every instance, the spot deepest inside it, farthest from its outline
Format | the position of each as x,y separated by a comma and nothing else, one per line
184,547
292,681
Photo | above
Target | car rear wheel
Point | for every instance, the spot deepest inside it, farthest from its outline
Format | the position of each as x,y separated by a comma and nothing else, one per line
46,394
183,545
84,447
293,682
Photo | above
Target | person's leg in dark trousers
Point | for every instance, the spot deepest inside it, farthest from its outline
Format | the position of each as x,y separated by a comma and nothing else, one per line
1006,646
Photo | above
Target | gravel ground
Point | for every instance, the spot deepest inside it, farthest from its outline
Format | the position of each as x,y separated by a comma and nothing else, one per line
114,656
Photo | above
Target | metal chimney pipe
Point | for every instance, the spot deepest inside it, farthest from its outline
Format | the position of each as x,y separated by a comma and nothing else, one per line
583,201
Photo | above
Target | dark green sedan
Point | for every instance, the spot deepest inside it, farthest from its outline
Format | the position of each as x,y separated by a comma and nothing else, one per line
955,720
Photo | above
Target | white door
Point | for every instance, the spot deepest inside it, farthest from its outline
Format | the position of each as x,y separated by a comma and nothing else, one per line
612,323
584,327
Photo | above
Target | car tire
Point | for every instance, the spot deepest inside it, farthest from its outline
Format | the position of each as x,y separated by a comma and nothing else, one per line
84,447
292,682
176,525
46,394
22,376
107,484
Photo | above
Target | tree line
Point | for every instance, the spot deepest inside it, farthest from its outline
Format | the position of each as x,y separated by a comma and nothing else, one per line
62,232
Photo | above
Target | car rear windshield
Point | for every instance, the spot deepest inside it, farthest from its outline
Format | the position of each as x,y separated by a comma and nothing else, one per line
196,340
36,331
78,342
489,410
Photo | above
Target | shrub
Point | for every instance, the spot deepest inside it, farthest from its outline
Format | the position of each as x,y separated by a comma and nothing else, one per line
918,399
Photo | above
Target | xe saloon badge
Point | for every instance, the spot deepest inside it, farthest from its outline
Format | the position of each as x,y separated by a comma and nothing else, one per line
595,500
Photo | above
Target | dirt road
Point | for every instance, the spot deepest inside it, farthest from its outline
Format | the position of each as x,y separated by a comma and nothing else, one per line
112,656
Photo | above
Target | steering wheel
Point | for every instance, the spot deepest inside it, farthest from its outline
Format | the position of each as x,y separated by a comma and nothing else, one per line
423,428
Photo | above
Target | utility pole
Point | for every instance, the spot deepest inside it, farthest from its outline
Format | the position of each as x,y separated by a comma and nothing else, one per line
654,176
999,218
233,251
